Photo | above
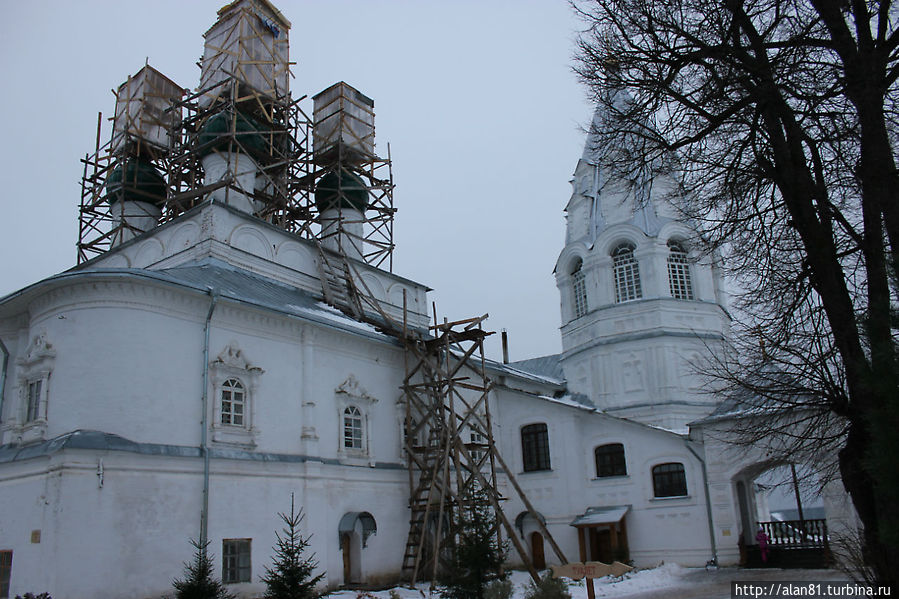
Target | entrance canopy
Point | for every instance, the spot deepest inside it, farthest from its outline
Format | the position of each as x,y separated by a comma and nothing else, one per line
348,524
599,516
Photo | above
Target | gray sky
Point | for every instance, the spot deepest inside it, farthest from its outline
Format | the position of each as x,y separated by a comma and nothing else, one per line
476,99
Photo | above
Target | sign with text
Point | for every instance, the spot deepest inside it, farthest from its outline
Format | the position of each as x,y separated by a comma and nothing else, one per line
578,570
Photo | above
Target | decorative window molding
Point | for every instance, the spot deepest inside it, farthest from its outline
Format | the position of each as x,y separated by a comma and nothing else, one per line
352,389
680,282
354,406
234,381
33,376
626,270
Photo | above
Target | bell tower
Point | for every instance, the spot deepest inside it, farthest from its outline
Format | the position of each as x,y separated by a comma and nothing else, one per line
641,306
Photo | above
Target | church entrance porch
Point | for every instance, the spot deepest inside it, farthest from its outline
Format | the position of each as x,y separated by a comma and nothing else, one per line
602,534
779,528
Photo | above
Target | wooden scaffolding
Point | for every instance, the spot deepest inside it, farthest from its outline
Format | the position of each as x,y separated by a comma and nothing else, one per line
452,455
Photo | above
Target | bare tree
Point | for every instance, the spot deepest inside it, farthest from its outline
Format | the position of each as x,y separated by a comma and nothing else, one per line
777,118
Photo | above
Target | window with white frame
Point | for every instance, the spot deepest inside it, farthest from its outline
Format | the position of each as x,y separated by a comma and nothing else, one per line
679,281
352,428
627,273
478,443
579,289
234,403
355,414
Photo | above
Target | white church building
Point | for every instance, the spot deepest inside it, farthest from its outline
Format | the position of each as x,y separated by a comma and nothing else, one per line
188,379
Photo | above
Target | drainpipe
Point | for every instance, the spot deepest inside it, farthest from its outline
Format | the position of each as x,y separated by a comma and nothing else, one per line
204,447
708,501
3,368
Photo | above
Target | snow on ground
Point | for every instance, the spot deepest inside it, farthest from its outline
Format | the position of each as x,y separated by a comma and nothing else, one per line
638,581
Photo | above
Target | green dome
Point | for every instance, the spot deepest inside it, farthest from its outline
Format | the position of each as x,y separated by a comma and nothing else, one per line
135,180
346,191
248,132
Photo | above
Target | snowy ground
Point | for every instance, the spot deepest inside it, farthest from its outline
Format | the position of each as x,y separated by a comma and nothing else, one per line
668,581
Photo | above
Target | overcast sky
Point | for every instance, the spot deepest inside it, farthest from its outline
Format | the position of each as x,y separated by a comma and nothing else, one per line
476,98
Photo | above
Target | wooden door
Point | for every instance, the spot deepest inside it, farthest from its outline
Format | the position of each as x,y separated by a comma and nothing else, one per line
537,555
347,563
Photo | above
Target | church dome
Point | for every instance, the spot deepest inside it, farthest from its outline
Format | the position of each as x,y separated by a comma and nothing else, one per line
215,134
344,191
135,180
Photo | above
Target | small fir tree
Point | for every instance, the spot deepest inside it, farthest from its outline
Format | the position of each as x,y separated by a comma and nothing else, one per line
477,557
198,581
547,588
290,576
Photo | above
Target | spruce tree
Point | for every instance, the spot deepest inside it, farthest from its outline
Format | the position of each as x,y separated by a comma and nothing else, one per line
477,556
290,576
198,582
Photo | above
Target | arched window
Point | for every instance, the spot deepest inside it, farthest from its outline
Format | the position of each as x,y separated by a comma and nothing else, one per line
679,272
535,447
627,273
579,289
669,480
352,428
234,403
610,460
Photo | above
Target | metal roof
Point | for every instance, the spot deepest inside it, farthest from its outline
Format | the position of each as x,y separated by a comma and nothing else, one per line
546,366
601,515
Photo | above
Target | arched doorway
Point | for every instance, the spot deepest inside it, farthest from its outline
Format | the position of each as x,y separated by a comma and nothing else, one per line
780,526
353,531
537,556
529,526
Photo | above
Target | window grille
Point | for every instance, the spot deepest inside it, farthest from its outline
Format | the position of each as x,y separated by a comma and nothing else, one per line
610,460
669,480
579,287
535,447
236,561
679,272
627,274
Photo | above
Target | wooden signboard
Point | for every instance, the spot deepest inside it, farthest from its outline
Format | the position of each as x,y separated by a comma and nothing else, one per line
590,570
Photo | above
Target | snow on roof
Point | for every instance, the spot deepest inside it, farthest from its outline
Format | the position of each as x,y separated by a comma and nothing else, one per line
575,400
601,515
